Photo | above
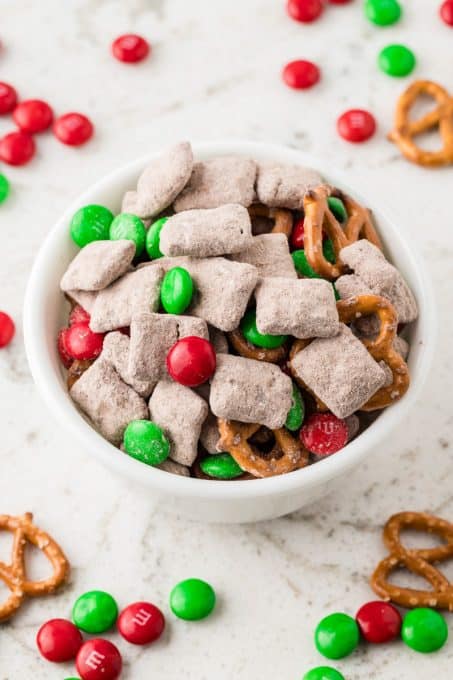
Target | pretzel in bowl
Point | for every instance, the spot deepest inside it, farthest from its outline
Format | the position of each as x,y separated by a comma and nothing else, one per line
14,575
320,219
282,218
381,348
418,561
286,455
245,349
441,116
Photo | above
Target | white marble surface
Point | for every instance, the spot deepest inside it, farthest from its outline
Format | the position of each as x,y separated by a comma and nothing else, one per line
215,73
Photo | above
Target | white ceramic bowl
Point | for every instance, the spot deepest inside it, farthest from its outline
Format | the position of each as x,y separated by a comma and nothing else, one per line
204,500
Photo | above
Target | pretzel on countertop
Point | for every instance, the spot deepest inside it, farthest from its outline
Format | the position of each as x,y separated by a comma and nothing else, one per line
282,218
14,574
418,561
405,129
381,348
319,218
287,455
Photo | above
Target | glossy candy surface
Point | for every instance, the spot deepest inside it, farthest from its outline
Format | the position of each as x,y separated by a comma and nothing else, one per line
4,188
59,640
191,361
338,208
396,60
323,673
7,329
78,315
91,223
305,11
131,228
302,265
296,413
301,74
33,115
80,342
145,441
252,334
382,12
141,623
424,630
379,621
8,98
99,659
192,599
176,290
356,125
336,636
73,129
446,12
95,611
17,148
153,238
324,434
130,48
221,466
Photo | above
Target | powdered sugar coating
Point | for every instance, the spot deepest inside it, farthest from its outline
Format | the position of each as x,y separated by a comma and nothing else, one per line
283,186
97,265
115,350
269,253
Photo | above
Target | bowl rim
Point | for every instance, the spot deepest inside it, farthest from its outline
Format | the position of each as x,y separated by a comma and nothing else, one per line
319,473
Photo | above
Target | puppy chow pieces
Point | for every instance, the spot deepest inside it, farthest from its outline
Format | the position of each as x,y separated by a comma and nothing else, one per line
97,265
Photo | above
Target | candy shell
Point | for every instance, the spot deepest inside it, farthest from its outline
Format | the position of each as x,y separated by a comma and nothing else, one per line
192,599
336,636
153,238
129,227
141,623
59,640
424,630
176,290
221,466
252,334
91,223
145,441
95,611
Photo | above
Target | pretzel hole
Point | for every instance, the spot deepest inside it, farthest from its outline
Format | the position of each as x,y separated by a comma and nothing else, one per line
407,579
264,441
422,105
37,566
429,140
416,540
6,546
261,225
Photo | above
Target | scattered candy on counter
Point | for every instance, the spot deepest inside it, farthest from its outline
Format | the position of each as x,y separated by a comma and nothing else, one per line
379,622
33,115
7,329
192,599
301,74
356,125
99,659
323,672
446,12
73,129
17,148
424,630
304,11
130,48
59,640
4,188
337,636
383,12
141,623
396,60
95,612
8,98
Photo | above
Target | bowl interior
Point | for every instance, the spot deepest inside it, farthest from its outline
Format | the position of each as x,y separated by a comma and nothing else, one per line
45,311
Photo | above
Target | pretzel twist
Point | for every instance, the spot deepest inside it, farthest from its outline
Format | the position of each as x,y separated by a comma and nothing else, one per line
419,562
319,218
406,130
282,218
287,455
14,574
381,348
245,349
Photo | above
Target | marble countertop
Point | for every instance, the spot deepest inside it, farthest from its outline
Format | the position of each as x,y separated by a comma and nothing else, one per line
215,73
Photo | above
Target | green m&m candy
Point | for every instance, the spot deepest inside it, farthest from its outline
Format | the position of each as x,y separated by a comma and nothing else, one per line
252,334
382,12
296,413
4,188
95,611
396,60
129,227
424,630
146,442
221,466
336,636
176,290
192,599
153,238
323,673
338,208
302,265
91,223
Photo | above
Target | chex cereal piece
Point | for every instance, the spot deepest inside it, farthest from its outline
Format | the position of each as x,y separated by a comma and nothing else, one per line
107,400
161,181
283,186
250,391
339,371
115,350
218,340
205,233
134,293
180,413
370,265
210,435
304,308
269,253
175,468
84,298
351,285
218,181
97,265
129,205
152,335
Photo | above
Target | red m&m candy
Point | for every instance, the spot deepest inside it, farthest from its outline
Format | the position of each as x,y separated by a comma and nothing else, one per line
141,623
99,659
17,148
78,315
324,434
73,129
379,621
304,10
130,48
7,329
8,98
301,74
446,12
65,357
33,115
191,361
356,125
80,342
59,640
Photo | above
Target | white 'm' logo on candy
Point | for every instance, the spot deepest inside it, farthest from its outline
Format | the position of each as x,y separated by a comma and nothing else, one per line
142,617
94,660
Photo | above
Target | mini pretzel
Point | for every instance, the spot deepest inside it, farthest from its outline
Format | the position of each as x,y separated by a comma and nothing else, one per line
287,455
14,574
381,348
319,218
76,370
406,129
419,562
245,349
283,219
